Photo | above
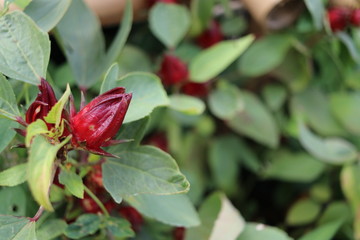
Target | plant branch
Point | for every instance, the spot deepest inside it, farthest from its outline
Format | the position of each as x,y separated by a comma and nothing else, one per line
97,200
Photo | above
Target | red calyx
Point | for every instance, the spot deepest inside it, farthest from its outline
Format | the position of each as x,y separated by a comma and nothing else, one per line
159,140
96,176
355,17
196,89
173,70
210,36
179,233
133,216
89,205
98,122
338,18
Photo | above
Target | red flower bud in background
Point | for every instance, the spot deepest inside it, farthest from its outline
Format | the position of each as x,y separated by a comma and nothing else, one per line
43,103
89,205
210,36
338,18
179,233
95,125
159,140
133,216
173,70
355,17
196,89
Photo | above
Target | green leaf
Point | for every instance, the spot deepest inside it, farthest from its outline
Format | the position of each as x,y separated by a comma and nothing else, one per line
315,107
225,101
55,114
7,132
133,59
303,212
293,167
33,129
265,54
330,150
83,43
223,159
118,43
13,176
212,61
258,231
175,210
23,58
143,170
15,228
317,10
169,23
13,201
119,227
8,105
42,155
255,121
46,14
274,96
201,15
110,78
148,93
84,225
72,182
51,229
350,184
345,107
333,218
219,218
349,43
187,104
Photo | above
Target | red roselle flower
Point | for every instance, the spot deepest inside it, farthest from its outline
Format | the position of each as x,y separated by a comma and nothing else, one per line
133,216
210,36
98,122
196,89
43,103
159,140
173,70
355,17
338,18
179,233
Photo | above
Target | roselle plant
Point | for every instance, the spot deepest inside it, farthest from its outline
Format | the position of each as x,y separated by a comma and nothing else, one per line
191,123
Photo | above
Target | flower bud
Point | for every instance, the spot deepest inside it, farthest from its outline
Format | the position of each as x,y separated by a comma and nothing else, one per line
338,18
355,17
99,121
210,36
173,70
43,103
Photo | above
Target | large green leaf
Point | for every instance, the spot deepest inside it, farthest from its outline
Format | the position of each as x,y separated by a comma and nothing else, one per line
7,132
15,228
258,231
148,93
169,23
314,106
119,227
51,229
42,155
46,13
219,218
24,48
211,62
330,150
143,170
175,210
13,176
255,121
265,54
293,167
84,225
8,105
83,43
13,201
345,106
